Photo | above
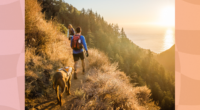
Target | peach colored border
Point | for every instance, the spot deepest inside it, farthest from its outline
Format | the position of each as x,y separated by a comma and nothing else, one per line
187,55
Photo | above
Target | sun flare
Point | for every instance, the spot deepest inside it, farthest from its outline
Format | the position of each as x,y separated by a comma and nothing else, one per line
167,17
169,39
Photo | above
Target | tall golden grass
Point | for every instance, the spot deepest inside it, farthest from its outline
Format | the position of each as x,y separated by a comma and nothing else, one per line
105,87
46,48
45,44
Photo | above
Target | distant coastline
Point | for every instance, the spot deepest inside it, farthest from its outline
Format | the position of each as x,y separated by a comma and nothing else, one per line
154,38
154,43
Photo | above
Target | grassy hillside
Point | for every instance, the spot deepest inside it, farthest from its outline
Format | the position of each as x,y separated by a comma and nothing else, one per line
106,87
47,49
139,64
167,59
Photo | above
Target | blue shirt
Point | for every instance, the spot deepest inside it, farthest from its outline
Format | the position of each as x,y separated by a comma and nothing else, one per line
82,38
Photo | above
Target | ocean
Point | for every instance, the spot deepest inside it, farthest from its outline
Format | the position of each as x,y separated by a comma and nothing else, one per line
155,39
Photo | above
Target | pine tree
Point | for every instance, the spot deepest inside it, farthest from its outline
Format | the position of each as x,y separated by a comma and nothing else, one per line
114,42
90,38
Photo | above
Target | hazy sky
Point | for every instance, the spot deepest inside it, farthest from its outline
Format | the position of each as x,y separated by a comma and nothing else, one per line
148,23
131,12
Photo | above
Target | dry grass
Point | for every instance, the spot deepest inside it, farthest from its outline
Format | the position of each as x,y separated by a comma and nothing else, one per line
46,48
107,88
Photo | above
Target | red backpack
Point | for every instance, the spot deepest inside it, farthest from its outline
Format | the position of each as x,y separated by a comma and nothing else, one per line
76,42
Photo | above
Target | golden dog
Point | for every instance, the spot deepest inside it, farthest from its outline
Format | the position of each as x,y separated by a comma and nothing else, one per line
60,79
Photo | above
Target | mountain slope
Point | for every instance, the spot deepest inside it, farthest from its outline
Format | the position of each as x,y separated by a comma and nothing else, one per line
167,59
139,64
103,86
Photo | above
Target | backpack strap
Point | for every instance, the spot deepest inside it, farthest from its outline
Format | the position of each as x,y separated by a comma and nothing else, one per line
78,36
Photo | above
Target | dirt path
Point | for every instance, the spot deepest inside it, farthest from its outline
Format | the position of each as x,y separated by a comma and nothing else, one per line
51,103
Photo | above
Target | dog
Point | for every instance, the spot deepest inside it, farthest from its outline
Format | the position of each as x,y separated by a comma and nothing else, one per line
60,79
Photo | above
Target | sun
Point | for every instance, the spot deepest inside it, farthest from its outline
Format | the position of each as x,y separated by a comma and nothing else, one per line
167,17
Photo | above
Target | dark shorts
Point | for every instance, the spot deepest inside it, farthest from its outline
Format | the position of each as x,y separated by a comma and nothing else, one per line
77,56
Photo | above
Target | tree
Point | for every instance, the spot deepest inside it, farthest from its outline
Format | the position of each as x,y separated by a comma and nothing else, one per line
90,39
123,35
108,38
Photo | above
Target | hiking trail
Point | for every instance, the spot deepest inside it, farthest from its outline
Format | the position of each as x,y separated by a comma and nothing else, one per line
51,103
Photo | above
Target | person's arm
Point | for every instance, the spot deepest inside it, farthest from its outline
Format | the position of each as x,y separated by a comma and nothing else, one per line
84,43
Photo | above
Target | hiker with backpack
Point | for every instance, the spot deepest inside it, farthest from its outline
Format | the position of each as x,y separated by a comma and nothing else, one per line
70,31
77,44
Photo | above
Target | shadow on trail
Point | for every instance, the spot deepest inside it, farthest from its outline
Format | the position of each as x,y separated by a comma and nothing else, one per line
52,104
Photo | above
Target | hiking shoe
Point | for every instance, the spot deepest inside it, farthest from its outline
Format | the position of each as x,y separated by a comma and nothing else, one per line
75,76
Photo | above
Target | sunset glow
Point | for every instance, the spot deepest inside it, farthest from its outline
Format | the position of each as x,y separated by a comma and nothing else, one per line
167,17
169,39
150,21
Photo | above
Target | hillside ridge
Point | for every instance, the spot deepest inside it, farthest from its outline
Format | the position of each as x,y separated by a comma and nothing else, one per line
47,49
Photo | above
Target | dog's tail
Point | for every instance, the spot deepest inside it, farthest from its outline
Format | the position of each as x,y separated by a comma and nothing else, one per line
58,92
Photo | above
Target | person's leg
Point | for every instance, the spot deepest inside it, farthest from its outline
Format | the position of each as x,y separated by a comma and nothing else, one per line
83,61
75,65
83,65
75,68
75,56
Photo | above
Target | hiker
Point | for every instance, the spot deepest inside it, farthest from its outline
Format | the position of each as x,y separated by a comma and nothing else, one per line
77,44
70,31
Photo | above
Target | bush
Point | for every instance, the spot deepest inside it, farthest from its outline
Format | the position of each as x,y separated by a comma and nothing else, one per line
107,88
